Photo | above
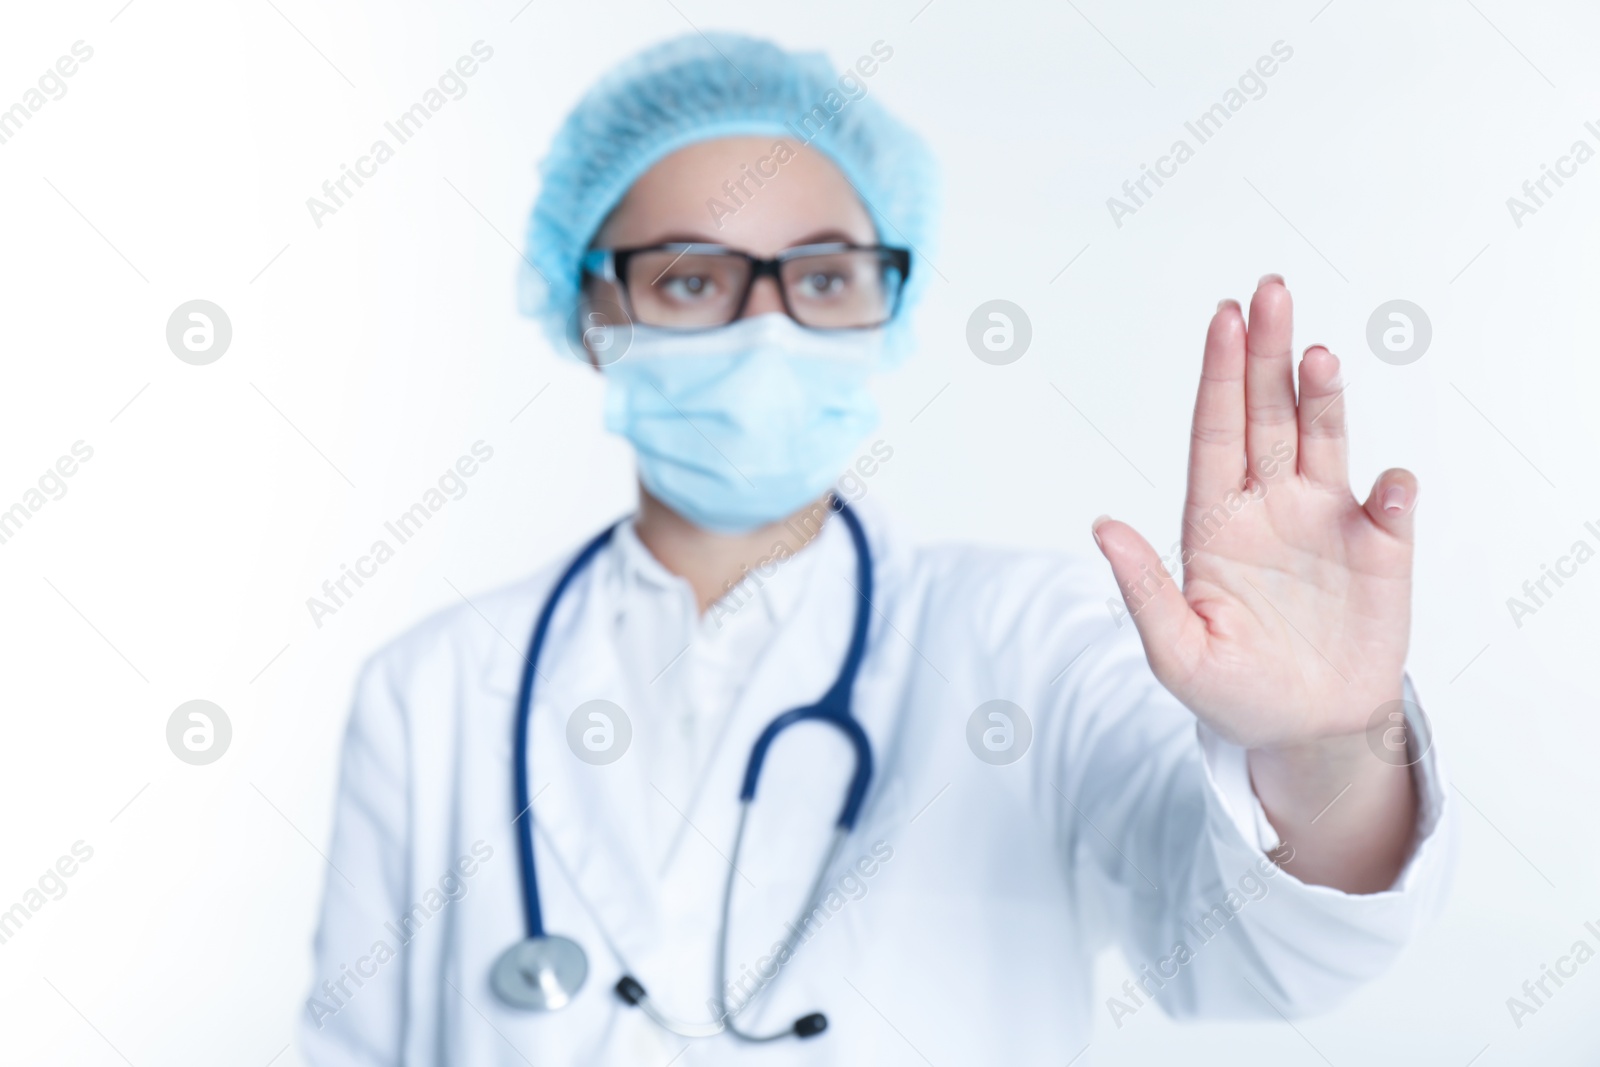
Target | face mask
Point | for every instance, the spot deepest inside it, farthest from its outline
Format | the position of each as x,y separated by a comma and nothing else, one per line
741,426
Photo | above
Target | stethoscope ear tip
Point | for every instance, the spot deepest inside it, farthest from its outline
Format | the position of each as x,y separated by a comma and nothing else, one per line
810,1025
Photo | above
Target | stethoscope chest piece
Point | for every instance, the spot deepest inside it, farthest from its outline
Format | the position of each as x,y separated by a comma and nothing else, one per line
540,973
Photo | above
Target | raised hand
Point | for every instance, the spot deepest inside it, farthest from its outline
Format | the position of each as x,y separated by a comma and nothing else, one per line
1291,626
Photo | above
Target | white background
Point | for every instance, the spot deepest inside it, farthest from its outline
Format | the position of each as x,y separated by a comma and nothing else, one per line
375,350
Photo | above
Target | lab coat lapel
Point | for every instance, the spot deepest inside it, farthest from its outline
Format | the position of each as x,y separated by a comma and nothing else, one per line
587,812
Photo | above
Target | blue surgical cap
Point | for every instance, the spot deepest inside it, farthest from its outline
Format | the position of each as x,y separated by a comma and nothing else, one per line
698,88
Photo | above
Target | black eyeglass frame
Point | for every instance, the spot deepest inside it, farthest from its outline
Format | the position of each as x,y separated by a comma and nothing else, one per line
611,265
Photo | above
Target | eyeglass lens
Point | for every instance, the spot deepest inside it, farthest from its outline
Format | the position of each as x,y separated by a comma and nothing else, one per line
847,288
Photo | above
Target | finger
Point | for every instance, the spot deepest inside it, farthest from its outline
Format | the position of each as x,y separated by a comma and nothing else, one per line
1323,444
1172,634
1216,440
1269,406
1392,503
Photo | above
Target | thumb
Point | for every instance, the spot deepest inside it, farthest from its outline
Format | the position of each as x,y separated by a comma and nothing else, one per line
1155,603
1393,502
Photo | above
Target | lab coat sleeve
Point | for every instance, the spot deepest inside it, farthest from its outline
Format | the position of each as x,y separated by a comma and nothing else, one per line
354,1010
1227,765
1228,768
1166,844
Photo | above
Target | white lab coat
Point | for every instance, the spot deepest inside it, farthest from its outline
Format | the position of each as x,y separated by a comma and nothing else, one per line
967,907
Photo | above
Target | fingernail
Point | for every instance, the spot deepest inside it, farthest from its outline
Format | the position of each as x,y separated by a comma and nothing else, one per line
1267,278
1227,302
1394,499
1094,527
1336,379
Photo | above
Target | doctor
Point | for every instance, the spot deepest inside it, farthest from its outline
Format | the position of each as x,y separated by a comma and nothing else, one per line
561,834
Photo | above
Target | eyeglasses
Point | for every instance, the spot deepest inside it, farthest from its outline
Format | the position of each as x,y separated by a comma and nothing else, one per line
835,286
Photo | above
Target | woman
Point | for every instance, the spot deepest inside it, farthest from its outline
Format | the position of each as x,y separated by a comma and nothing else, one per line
543,852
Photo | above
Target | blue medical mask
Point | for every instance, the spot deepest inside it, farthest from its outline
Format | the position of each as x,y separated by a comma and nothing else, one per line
743,425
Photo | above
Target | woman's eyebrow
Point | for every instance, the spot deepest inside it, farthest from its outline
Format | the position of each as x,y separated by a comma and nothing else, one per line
687,239
826,236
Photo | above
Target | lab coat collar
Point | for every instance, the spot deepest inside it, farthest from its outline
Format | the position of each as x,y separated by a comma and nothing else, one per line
626,557
773,584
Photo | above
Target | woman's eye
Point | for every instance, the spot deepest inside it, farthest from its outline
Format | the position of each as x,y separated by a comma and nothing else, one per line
688,287
823,283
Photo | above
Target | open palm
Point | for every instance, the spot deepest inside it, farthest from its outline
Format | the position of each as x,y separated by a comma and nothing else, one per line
1294,615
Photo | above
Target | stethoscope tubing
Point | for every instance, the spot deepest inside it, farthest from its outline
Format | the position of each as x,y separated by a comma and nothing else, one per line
813,894
833,709
533,914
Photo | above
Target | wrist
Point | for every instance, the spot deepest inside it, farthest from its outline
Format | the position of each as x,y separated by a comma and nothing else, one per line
1338,756
1344,751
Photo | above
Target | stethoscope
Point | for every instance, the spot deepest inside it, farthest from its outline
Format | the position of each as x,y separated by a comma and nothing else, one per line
544,971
